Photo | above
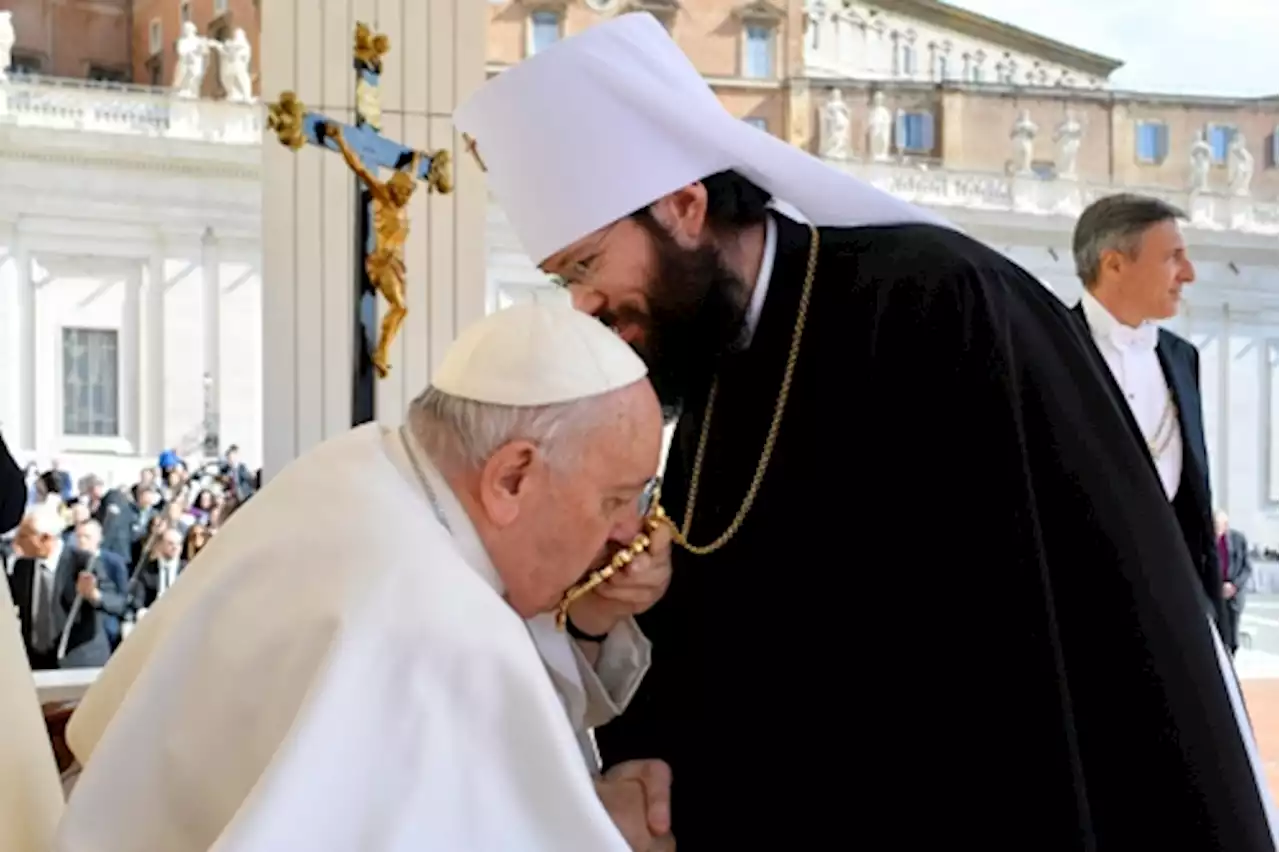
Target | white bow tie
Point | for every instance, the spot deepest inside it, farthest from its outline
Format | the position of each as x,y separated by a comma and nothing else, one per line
1142,338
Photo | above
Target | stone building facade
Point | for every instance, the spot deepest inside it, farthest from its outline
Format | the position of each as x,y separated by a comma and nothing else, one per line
121,41
742,47
155,26
79,40
132,216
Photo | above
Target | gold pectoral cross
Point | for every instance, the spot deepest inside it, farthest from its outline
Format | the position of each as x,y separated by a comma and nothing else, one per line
469,141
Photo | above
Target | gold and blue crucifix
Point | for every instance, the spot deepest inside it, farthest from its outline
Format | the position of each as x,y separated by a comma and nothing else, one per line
382,223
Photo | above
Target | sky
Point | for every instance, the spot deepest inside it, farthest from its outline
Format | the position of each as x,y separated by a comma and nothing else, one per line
1211,47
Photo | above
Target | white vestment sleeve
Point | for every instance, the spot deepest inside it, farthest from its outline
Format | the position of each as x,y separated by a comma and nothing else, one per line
478,756
610,685
385,699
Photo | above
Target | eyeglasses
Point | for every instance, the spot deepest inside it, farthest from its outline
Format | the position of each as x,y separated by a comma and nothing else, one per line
649,496
580,270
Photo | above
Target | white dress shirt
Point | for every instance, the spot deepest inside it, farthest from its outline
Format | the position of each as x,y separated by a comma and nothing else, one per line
756,305
167,574
1130,353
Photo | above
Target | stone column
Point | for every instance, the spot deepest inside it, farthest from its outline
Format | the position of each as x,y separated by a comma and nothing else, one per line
211,311
151,385
131,374
17,358
437,58
1221,473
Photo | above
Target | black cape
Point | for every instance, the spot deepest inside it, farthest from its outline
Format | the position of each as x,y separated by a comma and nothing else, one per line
13,490
961,609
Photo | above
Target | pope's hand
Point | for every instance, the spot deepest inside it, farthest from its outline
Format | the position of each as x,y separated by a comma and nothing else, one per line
637,795
631,591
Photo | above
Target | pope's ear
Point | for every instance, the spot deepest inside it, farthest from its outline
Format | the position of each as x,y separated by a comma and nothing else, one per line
505,480
683,214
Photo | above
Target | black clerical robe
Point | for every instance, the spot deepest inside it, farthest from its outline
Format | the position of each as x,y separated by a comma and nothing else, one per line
1045,677
13,490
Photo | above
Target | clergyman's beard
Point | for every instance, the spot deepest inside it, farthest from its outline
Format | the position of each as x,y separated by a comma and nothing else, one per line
697,314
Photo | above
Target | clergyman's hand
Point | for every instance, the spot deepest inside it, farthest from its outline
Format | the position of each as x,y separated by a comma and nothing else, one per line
655,777
624,801
633,590
332,130
637,795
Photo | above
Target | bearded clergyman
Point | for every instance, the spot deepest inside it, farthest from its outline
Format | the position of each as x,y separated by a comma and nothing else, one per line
926,581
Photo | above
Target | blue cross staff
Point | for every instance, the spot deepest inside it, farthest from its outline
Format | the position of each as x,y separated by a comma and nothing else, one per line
381,214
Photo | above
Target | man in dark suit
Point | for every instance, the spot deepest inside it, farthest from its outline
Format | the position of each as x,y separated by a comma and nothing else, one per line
90,595
242,482
158,572
1131,257
1233,554
117,515
111,574
36,580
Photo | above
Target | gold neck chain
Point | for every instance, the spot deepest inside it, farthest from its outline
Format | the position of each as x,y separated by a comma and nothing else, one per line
1165,429
681,536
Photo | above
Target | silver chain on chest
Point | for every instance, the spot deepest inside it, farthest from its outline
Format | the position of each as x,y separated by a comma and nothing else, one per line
423,481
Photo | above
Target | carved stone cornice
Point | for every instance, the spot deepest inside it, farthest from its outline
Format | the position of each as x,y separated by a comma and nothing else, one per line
531,6
760,11
658,8
948,17
73,264
132,162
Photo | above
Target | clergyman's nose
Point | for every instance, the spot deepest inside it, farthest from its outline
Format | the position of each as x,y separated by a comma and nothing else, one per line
587,300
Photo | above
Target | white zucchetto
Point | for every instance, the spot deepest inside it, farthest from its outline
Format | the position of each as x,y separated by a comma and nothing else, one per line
605,123
537,354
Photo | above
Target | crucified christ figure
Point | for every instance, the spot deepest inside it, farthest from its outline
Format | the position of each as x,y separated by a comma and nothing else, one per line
385,264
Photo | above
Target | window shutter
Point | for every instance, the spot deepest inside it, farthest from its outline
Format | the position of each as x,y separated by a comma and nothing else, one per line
900,131
1162,142
926,132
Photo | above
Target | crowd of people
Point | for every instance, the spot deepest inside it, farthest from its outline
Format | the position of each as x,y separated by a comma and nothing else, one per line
87,561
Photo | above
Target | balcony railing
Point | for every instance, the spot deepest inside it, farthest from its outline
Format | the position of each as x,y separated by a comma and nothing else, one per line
57,103
936,186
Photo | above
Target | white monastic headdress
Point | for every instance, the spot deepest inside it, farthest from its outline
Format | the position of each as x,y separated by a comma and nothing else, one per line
604,123
537,354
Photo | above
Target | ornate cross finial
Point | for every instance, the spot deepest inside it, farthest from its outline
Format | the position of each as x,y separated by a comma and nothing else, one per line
470,143
370,47
286,119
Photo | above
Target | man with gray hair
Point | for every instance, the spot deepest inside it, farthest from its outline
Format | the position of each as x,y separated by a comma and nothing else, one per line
372,672
1132,259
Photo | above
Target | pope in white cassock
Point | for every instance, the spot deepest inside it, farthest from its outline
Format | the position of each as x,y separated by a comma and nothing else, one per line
379,671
